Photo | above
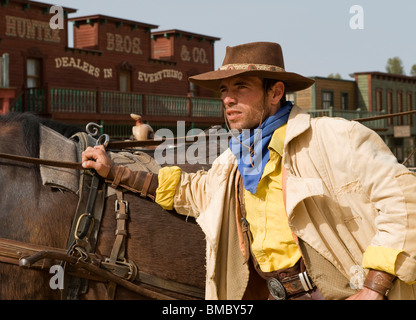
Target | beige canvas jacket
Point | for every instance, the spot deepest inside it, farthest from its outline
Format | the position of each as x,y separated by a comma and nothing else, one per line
344,192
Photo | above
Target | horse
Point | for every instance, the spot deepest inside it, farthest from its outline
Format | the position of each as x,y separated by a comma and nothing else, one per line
161,243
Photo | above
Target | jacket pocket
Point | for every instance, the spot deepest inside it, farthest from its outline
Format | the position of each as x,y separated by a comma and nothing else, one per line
357,211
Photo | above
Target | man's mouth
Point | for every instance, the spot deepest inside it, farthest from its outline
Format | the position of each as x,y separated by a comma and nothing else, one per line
233,115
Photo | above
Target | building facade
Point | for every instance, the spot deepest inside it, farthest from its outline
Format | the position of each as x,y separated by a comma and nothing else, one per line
371,94
391,93
115,67
327,92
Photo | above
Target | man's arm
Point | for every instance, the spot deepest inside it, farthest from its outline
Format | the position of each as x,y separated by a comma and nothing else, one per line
377,286
144,183
187,193
389,187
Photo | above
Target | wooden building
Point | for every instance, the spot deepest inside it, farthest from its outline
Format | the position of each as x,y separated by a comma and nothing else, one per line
371,94
391,93
115,67
327,92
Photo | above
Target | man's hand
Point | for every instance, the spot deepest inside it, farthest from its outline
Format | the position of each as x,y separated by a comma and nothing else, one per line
96,158
366,294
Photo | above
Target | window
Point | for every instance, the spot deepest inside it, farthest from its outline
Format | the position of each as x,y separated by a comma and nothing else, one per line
33,73
379,100
125,81
327,99
344,101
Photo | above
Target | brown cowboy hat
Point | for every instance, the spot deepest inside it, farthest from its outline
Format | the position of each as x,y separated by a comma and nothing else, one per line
262,59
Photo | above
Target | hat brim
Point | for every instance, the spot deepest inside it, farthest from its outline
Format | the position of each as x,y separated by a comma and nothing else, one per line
211,80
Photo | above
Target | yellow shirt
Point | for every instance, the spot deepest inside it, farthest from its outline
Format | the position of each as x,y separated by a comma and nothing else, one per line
273,244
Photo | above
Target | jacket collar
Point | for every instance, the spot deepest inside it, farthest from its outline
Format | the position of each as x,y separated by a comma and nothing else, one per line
299,121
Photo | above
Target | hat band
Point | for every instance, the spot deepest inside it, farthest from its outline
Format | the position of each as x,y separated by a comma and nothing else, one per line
251,67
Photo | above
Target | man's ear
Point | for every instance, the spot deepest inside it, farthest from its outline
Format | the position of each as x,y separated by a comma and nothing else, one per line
277,92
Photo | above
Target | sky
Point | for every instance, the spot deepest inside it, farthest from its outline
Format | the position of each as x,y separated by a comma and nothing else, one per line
318,37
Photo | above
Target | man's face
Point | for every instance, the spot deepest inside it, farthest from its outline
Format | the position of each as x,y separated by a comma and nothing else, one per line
244,101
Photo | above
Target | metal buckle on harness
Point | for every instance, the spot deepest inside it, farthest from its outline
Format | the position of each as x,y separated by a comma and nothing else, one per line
117,205
84,233
119,268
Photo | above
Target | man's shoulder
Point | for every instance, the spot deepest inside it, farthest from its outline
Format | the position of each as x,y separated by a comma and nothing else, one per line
227,157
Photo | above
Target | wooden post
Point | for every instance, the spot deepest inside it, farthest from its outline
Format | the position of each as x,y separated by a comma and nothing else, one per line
144,106
5,95
47,99
98,101
189,106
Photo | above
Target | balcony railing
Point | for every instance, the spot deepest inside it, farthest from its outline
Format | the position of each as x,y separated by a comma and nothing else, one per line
157,105
30,100
352,115
82,101
113,103
121,102
69,100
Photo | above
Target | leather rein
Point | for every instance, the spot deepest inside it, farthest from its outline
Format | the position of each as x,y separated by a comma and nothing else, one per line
45,162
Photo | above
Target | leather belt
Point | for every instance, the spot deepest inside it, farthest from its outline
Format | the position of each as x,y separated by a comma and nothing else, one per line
290,286
287,283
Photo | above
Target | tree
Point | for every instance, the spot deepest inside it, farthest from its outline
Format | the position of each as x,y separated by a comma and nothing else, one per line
335,76
395,66
413,71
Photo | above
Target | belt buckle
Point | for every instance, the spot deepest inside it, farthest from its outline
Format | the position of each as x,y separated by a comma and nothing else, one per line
276,289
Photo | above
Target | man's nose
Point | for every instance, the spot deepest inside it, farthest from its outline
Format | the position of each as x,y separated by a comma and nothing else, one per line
229,100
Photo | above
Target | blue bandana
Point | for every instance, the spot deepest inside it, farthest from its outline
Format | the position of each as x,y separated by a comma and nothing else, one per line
251,166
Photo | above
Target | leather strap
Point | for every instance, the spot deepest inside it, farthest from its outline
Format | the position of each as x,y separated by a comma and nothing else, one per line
118,175
146,185
119,247
45,162
141,182
379,281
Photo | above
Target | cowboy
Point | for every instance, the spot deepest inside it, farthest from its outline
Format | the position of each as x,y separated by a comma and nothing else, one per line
141,131
319,208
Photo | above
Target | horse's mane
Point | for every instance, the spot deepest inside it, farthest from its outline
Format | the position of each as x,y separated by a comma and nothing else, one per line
30,126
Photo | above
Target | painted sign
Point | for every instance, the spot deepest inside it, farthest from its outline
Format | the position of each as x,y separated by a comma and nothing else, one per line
198,55
69,62
402,132
31,29
157,76
117,42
